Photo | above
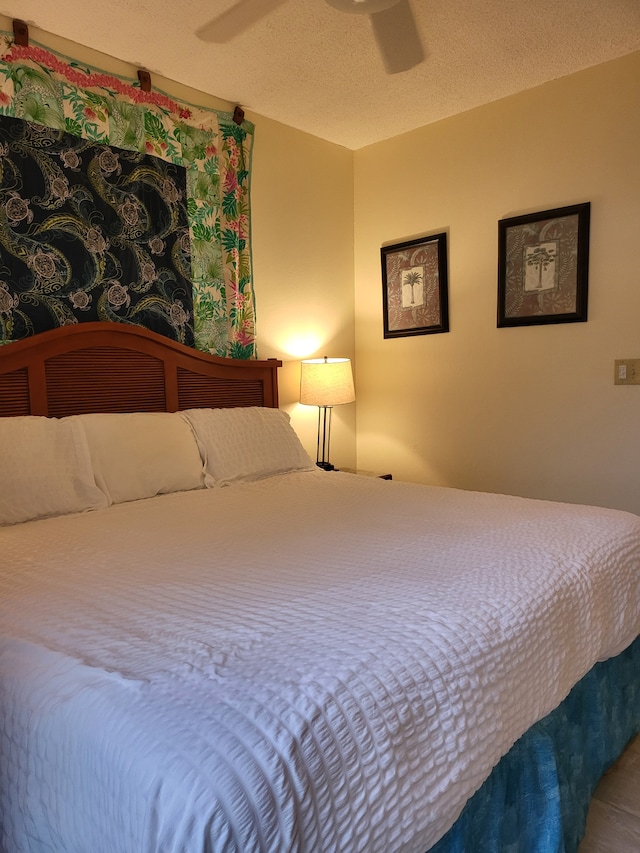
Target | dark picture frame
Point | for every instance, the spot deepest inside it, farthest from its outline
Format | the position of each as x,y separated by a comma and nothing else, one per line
543,267
415,290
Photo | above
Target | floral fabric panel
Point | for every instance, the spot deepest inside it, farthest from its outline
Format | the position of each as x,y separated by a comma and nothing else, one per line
41,87
90,232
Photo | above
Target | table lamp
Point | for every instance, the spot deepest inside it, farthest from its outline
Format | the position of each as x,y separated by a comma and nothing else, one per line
325,382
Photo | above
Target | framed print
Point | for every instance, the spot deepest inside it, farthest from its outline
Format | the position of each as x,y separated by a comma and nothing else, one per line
415,287
543,267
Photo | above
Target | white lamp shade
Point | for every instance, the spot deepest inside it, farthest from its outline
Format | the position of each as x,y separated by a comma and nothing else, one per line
326,382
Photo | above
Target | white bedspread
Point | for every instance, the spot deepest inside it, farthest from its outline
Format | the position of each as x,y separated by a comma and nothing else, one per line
314,662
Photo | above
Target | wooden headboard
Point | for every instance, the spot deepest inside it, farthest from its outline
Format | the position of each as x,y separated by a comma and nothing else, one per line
114,367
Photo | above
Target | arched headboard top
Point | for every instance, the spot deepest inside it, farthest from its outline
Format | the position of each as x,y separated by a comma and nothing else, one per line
117,367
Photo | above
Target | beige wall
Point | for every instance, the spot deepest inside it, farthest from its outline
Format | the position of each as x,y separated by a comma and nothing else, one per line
302,210
530,411
302,202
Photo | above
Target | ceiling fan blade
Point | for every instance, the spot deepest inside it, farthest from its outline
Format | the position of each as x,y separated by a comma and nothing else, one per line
398,38
237,19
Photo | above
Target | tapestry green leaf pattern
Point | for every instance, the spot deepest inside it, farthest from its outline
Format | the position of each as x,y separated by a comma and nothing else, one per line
40,86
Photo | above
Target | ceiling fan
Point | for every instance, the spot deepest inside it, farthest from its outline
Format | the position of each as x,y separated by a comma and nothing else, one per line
393,24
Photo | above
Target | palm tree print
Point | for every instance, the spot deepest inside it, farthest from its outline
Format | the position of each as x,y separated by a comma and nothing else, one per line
411,279
540,258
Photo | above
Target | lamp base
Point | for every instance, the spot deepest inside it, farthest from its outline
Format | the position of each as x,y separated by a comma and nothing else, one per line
326,466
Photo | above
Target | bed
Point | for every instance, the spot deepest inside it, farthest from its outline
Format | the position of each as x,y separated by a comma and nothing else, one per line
209,644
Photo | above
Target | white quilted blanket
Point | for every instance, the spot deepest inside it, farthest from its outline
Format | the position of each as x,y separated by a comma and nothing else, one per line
314,662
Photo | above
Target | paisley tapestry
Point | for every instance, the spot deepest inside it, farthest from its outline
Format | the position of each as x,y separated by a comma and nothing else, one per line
58,92
90,232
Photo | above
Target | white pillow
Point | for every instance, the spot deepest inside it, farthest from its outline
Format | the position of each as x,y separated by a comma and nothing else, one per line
45,469
246,444
141,454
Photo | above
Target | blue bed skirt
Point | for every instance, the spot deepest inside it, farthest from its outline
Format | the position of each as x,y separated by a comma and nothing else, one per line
537,797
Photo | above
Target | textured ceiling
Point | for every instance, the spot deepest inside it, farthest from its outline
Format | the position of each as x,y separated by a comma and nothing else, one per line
317,69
